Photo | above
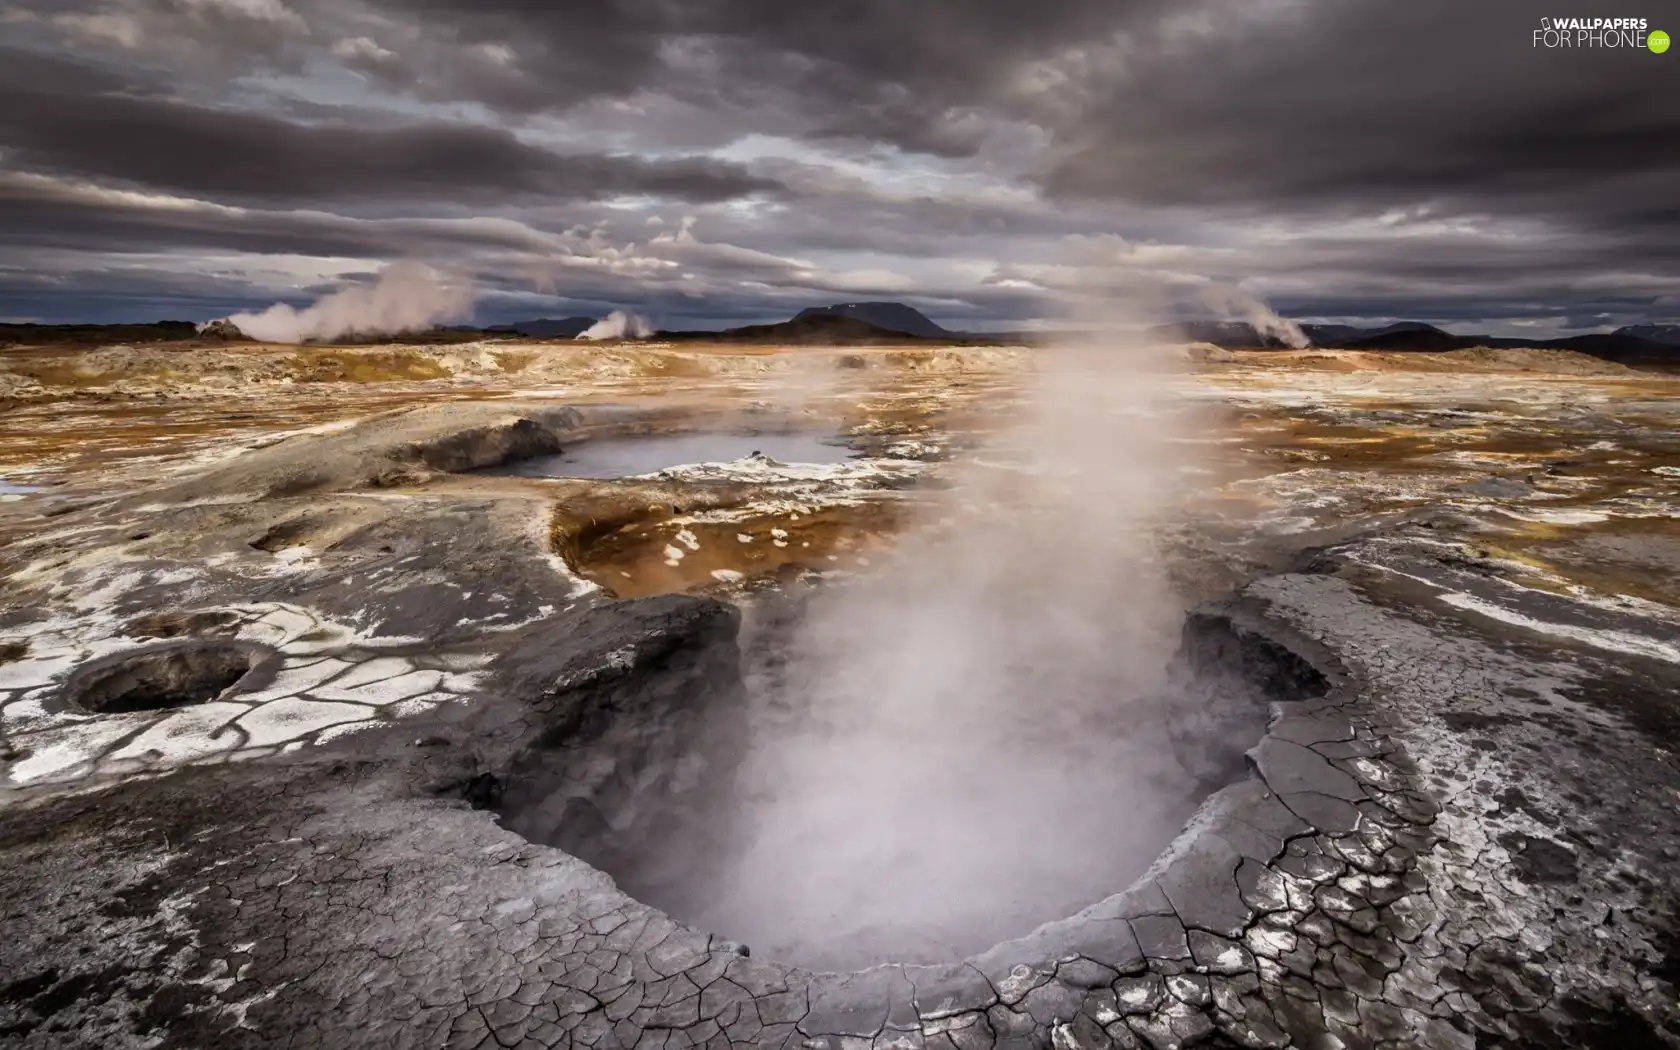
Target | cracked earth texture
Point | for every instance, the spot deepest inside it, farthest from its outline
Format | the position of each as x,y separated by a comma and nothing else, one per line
1468,840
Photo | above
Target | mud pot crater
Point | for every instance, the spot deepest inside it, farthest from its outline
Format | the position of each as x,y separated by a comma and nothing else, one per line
698,781
168,675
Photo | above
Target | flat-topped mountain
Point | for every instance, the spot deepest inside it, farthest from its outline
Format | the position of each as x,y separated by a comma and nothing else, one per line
546,327
894,317
809,328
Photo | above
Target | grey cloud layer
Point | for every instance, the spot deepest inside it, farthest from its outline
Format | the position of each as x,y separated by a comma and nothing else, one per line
216,151
1383,104
1361,159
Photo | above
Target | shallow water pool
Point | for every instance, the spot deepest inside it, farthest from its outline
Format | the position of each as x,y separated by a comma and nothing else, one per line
623,457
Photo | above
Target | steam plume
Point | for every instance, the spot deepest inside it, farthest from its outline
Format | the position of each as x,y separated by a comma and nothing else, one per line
618,325
408,297
1263,319
1106,263
974,740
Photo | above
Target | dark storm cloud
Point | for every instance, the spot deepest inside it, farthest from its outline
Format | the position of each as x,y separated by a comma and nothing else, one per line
1378,104
1360,158
1313,106
37,215
123,295
202,150
857,57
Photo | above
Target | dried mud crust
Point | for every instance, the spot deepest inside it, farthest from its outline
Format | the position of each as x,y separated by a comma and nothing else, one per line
1467,841
1415,863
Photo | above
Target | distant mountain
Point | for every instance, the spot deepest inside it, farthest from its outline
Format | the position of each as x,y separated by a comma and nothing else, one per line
1628,350
809,328
1220,333
59,334
1329,334
1622,346
1647,345
1405,326
1656,333
1240,334
546,327
894,317
1408,336
1624,349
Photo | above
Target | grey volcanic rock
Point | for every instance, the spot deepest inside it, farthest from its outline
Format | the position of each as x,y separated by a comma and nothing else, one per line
336,903
1452,836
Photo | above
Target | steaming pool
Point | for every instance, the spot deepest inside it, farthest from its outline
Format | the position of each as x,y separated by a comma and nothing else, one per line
633,456
786,808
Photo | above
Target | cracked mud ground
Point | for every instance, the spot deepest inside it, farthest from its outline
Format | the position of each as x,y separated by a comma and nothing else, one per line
1464,836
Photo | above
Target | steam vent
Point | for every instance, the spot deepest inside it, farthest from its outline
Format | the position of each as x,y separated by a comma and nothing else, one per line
825,711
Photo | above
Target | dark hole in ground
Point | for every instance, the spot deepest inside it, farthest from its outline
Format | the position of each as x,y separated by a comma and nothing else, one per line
656,775
621,457
165,676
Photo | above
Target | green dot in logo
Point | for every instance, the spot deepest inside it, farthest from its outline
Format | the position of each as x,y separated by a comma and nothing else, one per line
1657,41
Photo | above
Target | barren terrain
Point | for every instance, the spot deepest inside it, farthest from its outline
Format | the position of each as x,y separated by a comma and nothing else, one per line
283,629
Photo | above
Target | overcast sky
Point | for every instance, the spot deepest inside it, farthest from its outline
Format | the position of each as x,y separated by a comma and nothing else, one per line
712,162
